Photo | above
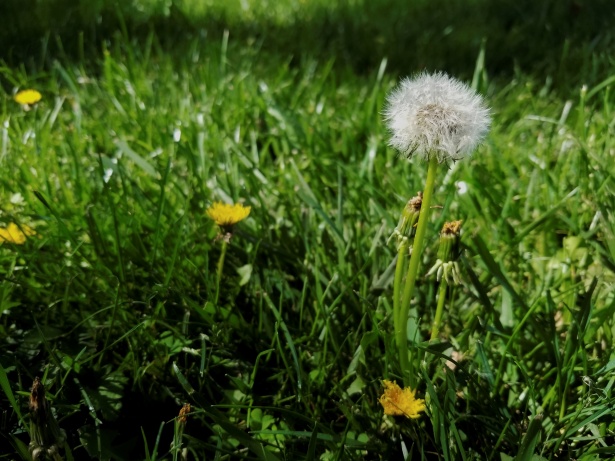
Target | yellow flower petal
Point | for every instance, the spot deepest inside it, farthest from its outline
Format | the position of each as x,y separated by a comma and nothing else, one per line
13,234
400,402
28,97
226,215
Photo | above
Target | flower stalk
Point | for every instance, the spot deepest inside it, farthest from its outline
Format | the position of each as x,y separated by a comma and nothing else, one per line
446,268
180,453
435,329
404,232
411,275
226,217
220,269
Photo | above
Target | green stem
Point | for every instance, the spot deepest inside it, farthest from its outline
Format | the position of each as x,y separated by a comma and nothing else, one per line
219,270
402,255
435,329
413,266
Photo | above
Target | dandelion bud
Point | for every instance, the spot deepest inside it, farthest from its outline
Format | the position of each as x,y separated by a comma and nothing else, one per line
449,241
406,227
46,435
448,253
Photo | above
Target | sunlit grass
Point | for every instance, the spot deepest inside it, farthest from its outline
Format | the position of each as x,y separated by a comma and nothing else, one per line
112,302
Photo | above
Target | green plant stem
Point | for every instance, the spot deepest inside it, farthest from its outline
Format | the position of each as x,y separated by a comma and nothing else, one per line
435,329
402,256
413,266
219,269
112,324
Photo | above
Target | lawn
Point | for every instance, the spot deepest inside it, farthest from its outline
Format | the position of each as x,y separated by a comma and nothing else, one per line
120,292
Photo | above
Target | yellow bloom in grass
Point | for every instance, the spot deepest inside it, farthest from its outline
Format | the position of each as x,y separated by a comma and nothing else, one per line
14,234
27,97
226,215
400,402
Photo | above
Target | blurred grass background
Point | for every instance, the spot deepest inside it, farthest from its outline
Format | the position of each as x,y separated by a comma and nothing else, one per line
568,40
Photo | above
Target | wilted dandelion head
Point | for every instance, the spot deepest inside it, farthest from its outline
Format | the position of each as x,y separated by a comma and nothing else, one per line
27,97
183,413
436,115
400,402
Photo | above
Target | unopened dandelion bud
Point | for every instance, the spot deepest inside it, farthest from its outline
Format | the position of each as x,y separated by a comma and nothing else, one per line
406,227
46,435
448,253
449,241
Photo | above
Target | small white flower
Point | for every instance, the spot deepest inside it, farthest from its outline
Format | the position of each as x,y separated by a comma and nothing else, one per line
17,199
462,187
177,134
434,114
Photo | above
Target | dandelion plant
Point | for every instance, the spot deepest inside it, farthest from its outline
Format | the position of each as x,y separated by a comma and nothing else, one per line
441,120
225,216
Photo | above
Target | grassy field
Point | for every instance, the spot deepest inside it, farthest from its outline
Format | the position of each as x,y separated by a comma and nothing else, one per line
121,304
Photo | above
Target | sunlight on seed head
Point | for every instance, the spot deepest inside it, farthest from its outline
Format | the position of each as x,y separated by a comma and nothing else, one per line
434,114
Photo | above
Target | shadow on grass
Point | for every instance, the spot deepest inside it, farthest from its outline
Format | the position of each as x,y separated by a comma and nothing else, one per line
560,38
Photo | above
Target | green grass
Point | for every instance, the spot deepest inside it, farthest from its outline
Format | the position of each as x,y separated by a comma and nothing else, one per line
111,304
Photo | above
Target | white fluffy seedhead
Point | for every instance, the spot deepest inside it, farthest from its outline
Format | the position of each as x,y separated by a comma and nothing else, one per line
434,114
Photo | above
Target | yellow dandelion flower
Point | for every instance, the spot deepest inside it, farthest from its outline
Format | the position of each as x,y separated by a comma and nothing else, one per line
14,234
226,215
28,97
400,402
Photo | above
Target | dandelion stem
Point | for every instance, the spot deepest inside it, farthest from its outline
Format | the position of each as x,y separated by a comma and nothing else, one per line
402,255
435,329
219,269
413,266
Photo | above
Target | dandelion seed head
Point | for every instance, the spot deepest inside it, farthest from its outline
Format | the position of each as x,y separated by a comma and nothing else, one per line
434,114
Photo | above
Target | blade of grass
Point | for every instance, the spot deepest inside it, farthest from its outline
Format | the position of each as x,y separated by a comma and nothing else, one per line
6,387
528,444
